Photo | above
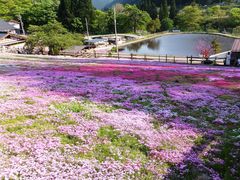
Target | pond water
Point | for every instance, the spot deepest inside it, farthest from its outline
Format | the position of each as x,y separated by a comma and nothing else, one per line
176,45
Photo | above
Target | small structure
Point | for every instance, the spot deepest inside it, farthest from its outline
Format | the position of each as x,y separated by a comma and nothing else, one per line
235,52
96,42
74,51
12,27
12,42
112,40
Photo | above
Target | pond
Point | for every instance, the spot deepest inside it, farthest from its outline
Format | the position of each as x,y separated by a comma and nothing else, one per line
176,45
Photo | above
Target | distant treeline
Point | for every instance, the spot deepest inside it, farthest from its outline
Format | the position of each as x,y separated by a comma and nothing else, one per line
140,16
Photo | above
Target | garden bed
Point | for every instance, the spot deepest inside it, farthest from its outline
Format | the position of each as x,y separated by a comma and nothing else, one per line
116,121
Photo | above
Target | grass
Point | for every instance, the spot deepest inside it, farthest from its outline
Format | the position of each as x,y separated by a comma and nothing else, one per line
75,107
85,107
156,123
38,125
70,140
17,120
29,101
118,147
166,146
141,101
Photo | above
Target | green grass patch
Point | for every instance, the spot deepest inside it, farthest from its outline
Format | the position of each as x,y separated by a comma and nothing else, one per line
226,97
120,147
38,125
85,107
141,101
116,91
69,139
199,141
17,120
29,101
156,123
76,107
166,146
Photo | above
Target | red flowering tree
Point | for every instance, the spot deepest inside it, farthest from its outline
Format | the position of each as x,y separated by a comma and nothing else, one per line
205,48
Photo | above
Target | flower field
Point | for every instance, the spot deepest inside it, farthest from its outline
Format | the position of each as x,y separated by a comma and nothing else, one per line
109,120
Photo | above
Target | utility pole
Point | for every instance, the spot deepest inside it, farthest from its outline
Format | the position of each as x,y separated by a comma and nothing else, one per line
21,24
115,25
87,28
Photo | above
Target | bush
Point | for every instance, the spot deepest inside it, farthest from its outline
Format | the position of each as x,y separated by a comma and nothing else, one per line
167,24
52,35
236,31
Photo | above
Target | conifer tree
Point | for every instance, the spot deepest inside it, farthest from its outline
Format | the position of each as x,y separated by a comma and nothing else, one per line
150,7
165,9
173,9
72,14
163,13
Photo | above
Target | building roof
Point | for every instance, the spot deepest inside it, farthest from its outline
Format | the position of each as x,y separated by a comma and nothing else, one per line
236,46
98,40
74,49
5,26
2,35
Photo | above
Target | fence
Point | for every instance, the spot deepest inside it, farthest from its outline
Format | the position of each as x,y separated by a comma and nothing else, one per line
166,58
161,58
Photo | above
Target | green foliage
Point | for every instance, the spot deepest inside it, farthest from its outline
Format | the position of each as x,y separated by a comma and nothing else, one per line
190,18
150,7
120,147
236,31
76,107
167,24
11,9
38,124
72,14
100,22
173,9
70,140
154,26
216,46
235,16
40,13
52,35
16,120
137,19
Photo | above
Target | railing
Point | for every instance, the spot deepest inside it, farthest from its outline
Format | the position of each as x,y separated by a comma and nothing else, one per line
161,58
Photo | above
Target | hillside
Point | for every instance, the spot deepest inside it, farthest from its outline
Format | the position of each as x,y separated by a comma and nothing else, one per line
100,4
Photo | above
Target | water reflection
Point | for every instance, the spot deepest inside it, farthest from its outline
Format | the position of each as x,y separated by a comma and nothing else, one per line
178,45
151,44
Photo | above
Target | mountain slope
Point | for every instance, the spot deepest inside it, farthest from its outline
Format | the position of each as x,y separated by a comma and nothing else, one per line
100,4
121,2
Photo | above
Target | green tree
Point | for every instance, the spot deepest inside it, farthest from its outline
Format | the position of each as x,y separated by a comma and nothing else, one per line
150,7
190,18
173,9
216,46
165,9
100,22
72,14
154,25
235,16
236,31
40,13
215,17
52,35
137,19
167,24
161,14
11,9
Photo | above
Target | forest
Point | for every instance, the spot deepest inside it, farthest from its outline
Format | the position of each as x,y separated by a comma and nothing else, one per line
133,16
